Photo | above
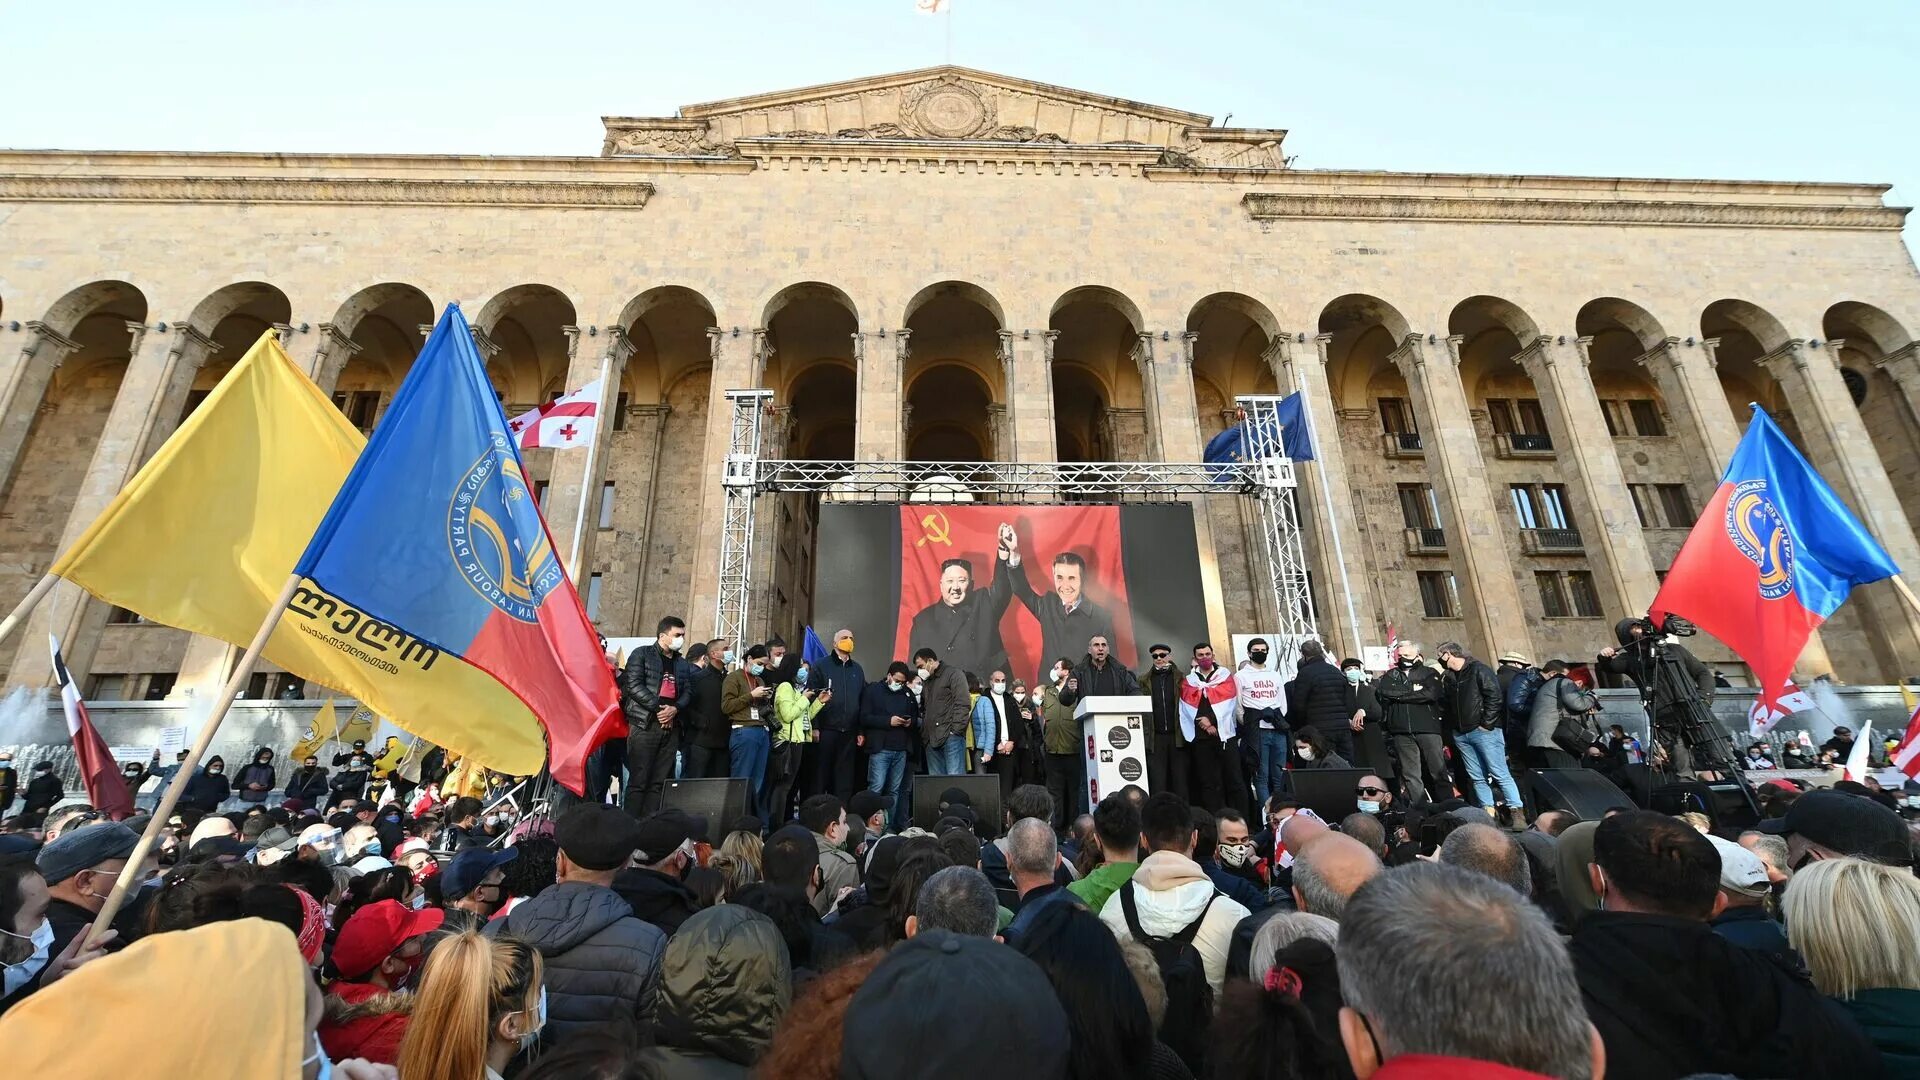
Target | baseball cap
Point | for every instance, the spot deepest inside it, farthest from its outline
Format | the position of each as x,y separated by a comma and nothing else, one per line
374,931
887,1021
465,872
660,833
84,849
595,836
1741,871
1848,825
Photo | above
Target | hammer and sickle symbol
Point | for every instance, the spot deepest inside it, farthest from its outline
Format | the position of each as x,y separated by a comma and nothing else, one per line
937,530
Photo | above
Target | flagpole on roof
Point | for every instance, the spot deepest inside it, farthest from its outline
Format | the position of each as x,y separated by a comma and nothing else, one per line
586,480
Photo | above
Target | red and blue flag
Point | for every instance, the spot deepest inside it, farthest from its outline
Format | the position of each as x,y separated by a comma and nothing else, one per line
435,535
1773,555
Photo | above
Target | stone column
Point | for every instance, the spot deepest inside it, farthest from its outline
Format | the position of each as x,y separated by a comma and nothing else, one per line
1495,618
651,422
1902,364
145,411
567,477
1839,446
880,361
1587,458
1026,366
331,352
23,386
1684,373
1166,377
735,367
1299,364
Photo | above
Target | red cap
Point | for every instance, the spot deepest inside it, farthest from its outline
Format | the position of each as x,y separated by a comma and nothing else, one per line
375,931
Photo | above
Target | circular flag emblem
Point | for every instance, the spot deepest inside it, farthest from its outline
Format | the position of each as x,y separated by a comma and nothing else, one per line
1755,526
496,538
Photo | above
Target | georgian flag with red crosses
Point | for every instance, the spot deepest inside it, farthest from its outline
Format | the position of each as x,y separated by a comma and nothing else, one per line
563,422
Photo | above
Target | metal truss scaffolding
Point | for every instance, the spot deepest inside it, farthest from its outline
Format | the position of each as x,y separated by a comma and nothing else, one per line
1261,474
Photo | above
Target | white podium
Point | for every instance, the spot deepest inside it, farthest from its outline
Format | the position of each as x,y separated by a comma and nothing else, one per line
1114,743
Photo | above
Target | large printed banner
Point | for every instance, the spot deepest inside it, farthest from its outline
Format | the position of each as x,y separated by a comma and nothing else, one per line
1007,588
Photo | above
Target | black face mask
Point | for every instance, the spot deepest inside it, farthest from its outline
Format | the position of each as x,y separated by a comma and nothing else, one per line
1406,661
1257,657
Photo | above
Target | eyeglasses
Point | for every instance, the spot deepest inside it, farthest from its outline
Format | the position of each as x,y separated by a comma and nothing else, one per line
1161,655
1369,791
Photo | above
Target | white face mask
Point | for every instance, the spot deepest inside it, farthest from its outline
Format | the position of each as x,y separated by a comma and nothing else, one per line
320,1055
539,1021
18,975
1369,806
1059,676
999,687
1039,698
1306,753
1234,854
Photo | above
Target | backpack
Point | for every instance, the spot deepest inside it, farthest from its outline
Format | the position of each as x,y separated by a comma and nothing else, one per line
1521,692
1189,995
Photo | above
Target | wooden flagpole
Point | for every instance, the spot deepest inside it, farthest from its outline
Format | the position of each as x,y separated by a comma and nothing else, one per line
586,478
26,605
236,682
1905,593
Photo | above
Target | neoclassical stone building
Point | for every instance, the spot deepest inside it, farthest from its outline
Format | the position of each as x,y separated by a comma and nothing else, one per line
1525,386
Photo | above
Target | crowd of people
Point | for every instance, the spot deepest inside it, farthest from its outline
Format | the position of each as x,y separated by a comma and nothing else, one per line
1214,928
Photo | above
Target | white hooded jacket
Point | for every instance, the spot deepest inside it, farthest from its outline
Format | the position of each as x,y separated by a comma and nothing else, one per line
1169,892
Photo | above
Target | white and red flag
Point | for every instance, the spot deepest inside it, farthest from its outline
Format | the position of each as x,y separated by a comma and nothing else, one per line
1906,756
565,421
98,771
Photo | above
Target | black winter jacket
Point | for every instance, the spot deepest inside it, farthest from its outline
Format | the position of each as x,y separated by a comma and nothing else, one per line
1410,697
655,897
640,686
602,963
1318,695
1634,660
1164,688
311,787
1472,698
1113,680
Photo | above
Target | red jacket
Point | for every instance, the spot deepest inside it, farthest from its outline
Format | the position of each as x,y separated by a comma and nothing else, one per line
1434,1067
364,1021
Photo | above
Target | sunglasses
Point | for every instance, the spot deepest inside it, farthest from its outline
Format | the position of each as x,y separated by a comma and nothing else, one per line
1161,655
1369,791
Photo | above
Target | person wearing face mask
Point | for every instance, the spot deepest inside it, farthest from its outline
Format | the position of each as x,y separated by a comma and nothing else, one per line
26,935
746,697
321,844
44,789
946,711
208,787
1369,734
481,1001
256,780
1007,748
1409,695
795,705
1168,768
651,696
472,886
1209,719
1234,858
80,869
706,732
655,885
377,953
888,715
1310,751
841,683
1263,710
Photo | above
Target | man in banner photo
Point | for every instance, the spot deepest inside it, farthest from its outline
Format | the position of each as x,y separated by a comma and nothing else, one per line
435,533
963,626
1772,557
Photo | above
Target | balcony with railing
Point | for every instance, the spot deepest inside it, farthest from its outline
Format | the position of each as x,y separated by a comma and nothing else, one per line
1522,444
1402,444
1551,542
1424,541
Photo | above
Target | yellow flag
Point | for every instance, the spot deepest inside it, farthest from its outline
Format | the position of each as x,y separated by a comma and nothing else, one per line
204,536
359,727
1906,695
318,734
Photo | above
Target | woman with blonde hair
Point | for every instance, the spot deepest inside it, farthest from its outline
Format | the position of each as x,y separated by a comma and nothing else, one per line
1857,924
481,1001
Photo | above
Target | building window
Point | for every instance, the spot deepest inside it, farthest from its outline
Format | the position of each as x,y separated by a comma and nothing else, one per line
1439,596
1615,412
360,407
1419,506
540,494
606,505
1567,594
593,598
1662,506
1396,417
107,688
159,685
1540,506
1646,418
620,412
1516,416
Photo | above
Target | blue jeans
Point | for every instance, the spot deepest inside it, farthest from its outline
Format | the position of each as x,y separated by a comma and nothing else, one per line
885,771
949,758
1485,753
747,750
1272,776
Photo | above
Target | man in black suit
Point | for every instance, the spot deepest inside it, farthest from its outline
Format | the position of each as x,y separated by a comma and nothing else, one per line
963,625
1068,620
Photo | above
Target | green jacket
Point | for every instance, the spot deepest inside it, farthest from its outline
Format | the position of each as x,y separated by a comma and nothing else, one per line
1891,1018
794,714
1061,732
1104,881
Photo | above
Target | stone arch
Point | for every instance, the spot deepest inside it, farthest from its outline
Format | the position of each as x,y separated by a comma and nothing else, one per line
1620,332
809,291
1865,327
527,327
1363,331
116,298
1612,315
809,326
1746,333
667,328
1867,337
1233,333
945,398
956,324
1493,331
234,317
1099,407
954,289
383,324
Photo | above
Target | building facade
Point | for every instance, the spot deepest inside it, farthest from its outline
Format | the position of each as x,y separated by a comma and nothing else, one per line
1524,387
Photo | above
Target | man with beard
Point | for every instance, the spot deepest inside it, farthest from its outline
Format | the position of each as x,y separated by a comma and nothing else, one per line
1067,617
963,625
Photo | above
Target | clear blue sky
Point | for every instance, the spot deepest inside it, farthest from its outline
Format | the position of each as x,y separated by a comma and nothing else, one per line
1691,88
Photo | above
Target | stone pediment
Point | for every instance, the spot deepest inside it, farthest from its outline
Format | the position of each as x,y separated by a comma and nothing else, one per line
944,106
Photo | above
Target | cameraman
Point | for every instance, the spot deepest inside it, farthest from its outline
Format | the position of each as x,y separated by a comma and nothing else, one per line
1672,679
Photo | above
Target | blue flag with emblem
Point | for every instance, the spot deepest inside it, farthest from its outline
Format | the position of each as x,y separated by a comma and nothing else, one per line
1231,445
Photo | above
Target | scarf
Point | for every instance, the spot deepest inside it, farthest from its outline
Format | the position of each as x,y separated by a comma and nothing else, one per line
1220,692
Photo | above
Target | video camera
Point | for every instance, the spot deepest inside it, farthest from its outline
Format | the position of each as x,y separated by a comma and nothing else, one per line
1674,626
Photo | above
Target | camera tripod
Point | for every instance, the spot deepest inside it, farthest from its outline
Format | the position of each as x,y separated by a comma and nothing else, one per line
1685,732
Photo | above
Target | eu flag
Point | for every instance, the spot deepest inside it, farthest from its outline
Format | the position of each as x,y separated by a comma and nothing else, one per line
1295,443
1773,555
435,534
812,651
